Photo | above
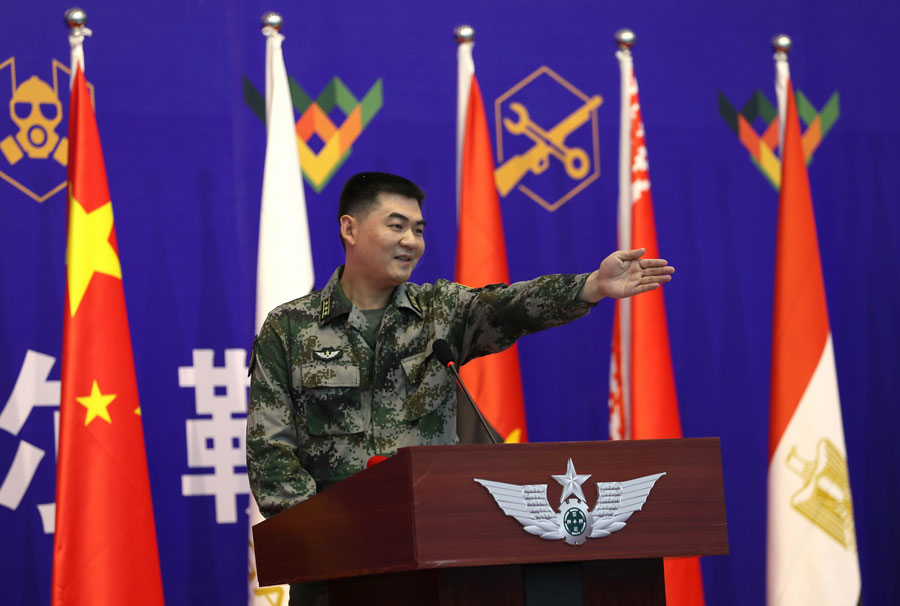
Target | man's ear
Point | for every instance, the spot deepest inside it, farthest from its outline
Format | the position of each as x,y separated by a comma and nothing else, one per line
349,229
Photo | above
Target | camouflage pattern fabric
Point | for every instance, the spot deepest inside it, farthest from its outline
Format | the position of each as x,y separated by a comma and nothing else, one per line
322,401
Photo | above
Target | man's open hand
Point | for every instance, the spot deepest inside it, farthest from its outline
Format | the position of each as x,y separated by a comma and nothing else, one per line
623,274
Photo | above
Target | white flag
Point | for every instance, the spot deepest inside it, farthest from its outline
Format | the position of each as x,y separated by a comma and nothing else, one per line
284,264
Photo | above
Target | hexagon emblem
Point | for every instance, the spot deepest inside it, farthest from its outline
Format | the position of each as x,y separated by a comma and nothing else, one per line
548,142
33,145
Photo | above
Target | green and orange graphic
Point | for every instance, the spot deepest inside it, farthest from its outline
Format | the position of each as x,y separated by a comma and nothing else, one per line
762,145
316,126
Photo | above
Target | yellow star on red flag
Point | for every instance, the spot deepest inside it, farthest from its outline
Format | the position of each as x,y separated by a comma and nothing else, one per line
89,250
96,404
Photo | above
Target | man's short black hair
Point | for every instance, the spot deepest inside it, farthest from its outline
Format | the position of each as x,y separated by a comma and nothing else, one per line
360,193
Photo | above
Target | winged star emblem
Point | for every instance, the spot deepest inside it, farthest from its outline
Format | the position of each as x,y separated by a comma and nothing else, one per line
573,521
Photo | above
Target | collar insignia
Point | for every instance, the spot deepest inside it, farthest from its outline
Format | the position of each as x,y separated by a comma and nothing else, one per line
414,302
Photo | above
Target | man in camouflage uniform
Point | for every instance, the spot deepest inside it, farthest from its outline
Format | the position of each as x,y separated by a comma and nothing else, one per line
347,372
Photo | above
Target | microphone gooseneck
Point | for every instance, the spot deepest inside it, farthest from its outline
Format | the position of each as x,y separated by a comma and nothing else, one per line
444,355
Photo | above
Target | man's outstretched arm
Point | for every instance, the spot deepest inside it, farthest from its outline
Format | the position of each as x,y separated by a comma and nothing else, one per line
624,274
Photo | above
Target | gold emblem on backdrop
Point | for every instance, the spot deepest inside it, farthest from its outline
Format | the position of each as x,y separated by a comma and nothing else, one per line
33,136
548,143
824,497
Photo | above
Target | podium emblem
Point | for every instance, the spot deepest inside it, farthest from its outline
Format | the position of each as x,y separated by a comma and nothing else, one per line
573,522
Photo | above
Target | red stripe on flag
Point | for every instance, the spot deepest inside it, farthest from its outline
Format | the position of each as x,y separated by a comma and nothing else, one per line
800,317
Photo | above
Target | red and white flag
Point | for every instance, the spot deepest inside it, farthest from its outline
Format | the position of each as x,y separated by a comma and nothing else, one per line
811,541
105,550
643,403
495,381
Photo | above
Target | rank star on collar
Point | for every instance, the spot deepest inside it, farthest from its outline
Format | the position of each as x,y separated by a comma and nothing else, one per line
571,483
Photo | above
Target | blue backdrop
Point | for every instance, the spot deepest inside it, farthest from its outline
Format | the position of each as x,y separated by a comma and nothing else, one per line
184,152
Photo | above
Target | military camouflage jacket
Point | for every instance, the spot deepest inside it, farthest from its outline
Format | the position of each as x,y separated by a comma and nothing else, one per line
322,401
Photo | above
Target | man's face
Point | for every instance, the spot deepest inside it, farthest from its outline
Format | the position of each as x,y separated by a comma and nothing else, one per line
389,240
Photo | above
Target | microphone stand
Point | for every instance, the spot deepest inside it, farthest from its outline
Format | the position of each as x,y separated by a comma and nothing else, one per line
452,366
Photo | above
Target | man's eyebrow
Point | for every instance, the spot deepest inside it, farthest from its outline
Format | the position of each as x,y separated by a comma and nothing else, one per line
405,219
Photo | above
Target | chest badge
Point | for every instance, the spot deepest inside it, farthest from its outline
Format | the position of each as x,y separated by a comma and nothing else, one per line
327,354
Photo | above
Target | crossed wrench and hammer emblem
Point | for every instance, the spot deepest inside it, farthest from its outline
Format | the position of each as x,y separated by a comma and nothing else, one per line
546,143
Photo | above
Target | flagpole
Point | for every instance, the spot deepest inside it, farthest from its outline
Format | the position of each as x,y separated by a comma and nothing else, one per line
781,44
465,69
76,21
625,39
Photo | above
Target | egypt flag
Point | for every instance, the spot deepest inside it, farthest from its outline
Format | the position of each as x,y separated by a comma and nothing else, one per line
642,399
811,546
105,546
495,381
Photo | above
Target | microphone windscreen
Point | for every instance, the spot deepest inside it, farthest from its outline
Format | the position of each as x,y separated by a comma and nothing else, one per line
441,349
375,460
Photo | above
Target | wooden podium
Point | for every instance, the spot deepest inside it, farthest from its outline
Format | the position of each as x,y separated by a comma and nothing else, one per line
418,529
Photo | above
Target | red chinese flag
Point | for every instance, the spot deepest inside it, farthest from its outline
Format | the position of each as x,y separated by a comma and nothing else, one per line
495,381
105,546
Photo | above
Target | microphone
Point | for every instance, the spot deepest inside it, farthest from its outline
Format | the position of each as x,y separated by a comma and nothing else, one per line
441,349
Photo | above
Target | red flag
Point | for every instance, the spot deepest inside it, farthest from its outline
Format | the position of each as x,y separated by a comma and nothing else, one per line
645,361
105,546
495,381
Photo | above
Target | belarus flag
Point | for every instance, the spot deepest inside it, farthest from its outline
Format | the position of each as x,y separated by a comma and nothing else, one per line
643,403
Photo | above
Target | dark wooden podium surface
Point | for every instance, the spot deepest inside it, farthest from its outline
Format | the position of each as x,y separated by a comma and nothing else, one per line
421,510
